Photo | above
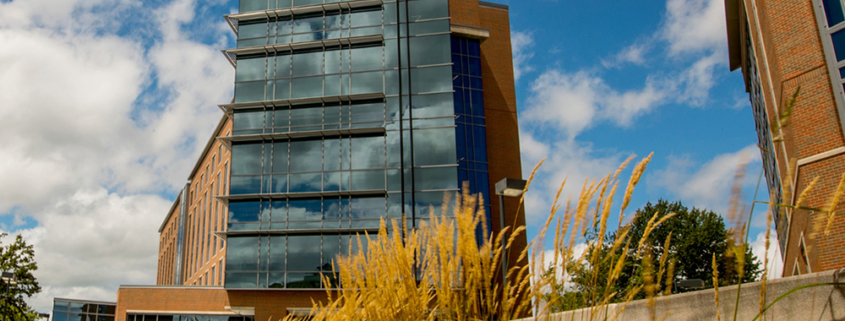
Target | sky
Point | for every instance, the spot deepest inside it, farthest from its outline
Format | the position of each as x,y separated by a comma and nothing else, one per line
106,105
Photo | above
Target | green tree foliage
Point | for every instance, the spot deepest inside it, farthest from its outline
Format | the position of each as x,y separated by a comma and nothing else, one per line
695,235
17,258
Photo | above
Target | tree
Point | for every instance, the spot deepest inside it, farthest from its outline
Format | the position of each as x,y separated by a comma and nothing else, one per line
695,236
17,258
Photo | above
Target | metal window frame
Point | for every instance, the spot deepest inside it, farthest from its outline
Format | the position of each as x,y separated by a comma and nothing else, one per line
836,81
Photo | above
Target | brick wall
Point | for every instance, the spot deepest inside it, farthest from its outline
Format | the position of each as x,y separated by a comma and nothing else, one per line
203,253
788,34
268,304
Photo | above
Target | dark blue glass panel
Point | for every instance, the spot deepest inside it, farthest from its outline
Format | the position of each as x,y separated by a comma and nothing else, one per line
480,143
481,167
475,67
245,185
839,44
459,102
305,210
473,48
842,72
483,184
456,45
461,145
462,176
244,211
367,208
833,11
477,98
475,83
456,67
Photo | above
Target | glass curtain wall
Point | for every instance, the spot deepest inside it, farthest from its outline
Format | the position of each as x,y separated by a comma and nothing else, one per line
764,137
82,311
310,176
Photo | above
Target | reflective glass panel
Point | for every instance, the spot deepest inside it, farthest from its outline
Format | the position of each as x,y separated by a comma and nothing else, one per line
304,253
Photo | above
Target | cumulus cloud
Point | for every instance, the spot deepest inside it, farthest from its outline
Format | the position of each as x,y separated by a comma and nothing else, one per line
708,185
567,160
576,101
633,54
758,247
694,26
100,124
521,43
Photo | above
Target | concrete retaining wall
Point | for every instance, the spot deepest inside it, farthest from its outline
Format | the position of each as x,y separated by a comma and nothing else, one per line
812,304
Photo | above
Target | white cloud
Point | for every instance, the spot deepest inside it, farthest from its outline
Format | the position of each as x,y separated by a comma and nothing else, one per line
576,101
694,26
521,42
758,247
706,186
570,160
633,54
89,148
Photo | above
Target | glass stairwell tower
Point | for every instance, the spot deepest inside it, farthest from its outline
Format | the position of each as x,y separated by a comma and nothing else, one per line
343,112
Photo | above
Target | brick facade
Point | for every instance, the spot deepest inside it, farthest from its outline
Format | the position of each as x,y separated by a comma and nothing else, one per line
788,49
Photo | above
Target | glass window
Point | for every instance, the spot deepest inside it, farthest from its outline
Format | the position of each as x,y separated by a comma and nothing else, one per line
433,105
434,146
76,306
431,79
306,117
367,112
839,44
367,152
283,66
428,9
59,316
367,181
241,280
306,156
430,50
366,18
833,11
278,248
246,159
305,183
304,253
243,211
435,178
251,69
249,91
369,58
420,28
303,280
241,254
305,210
367,82
367,208
252,5
307,64
252,30
245,185
307,24
307,87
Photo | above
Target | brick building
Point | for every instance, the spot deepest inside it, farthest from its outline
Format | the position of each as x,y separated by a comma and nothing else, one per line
781,46
345,112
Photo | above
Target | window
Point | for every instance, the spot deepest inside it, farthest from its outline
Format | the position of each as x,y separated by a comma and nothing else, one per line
292,261
831,21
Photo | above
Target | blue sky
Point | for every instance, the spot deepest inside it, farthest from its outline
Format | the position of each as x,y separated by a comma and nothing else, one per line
97,94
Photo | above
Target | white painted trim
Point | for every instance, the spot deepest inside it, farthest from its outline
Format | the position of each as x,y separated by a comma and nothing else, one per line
821,156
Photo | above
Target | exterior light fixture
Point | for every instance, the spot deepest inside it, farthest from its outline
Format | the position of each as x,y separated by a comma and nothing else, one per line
510,187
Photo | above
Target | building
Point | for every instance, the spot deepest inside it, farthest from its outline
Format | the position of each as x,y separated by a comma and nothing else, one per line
345,112
81,310
782,45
